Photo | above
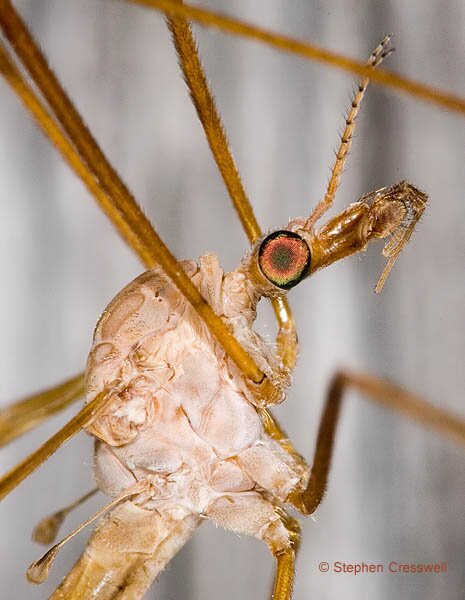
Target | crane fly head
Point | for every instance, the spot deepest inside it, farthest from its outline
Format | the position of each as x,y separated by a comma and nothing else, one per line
285,257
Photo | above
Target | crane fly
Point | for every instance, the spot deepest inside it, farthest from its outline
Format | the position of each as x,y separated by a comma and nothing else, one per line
399,207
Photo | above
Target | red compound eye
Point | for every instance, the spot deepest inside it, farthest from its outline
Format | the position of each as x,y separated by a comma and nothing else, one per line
284,258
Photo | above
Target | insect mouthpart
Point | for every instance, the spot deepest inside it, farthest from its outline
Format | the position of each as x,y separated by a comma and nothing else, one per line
284,258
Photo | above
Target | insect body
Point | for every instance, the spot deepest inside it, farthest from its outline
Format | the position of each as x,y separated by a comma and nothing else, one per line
180,416
180,419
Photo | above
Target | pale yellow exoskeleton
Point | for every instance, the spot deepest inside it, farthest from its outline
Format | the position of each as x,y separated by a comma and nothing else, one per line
174,402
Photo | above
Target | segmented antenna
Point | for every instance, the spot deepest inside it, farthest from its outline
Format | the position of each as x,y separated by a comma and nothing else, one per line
381,51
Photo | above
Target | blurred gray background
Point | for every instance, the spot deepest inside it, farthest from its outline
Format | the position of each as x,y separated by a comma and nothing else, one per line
396,492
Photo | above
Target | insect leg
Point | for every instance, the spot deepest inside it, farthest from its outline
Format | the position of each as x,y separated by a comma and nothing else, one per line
121,206
210,118
28,413
307,50
284,576
382,392
17,34
84,417
250,514
52,129
207,112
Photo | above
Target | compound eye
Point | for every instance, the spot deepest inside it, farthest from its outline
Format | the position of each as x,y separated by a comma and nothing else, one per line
284,258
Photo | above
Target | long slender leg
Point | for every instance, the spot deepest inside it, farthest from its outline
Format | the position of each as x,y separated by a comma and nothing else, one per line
250,514
376,58
116,199
306,50
215,133
22,416
53,131
379,391
210,119
84,417
29,413
286,336
284,575
31,57
150,246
